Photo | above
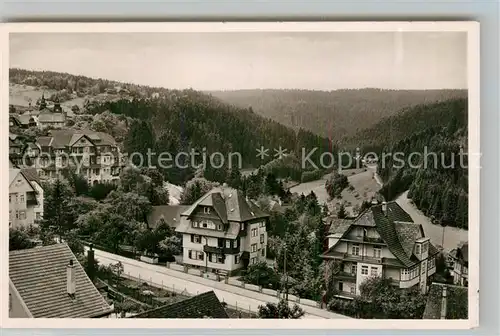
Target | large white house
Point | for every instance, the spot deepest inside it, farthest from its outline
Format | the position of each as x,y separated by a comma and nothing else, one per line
223,232
382,242
23,200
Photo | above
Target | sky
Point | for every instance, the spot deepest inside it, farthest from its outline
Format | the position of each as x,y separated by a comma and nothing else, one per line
231,61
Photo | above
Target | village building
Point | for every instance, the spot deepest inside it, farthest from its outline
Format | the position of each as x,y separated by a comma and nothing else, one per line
24,201
460,265
206,305
446,302
382,242
94,155
55,118
223,232
49,282
32,176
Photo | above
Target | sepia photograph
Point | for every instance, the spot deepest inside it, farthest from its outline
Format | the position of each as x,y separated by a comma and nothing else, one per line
243,171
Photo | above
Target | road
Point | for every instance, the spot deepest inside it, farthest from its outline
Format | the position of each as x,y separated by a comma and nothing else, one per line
448,237
232,295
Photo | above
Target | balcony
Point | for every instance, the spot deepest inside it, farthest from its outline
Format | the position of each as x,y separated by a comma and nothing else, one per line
343,256
364,239
345,276
220,250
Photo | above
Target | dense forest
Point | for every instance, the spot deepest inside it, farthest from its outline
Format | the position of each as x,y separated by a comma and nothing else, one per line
200,123
335,114
430,161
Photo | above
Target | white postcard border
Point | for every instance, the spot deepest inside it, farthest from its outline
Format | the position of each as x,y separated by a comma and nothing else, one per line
473,55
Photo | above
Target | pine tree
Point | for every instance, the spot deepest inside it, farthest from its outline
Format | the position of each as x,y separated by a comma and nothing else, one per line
57,216
341,213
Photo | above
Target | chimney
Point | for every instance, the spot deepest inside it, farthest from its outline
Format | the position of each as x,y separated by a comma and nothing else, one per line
90,262
71,279
443,304
384,207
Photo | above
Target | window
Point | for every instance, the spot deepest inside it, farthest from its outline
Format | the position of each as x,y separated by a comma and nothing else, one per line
423,266
206,210
17,214
10,198
196,239
424,247
195,224
354,269
242,226
341,286
220,259
355,249
417,249
254,232
207,225
253,261
254,247
196,255
263,252
220,242
235,243
262,238
22,215
353,290
364,270
228,244
377,251
359,232
38,216
263,224
22,198
236,259
219,227
373,271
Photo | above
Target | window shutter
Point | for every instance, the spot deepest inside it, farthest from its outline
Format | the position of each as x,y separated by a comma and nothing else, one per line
192,240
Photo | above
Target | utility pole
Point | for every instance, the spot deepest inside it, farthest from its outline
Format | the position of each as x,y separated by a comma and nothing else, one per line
206,255
286,276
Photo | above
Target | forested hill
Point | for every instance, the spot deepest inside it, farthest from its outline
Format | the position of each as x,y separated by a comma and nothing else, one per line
192,120
334,114
412,120
437,185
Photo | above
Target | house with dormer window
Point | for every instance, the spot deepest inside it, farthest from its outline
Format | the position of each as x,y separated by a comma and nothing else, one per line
223,232
383,241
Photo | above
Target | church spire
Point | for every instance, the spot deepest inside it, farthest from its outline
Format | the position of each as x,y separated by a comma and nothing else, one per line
43,104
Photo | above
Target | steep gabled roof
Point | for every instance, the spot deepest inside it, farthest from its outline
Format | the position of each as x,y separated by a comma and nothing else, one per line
408,233
463,253
456,302
396,228
230,205
205,305
31,175
339,226
170,213
44,117
39,276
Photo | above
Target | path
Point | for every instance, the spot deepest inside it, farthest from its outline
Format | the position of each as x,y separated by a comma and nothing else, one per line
232,295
